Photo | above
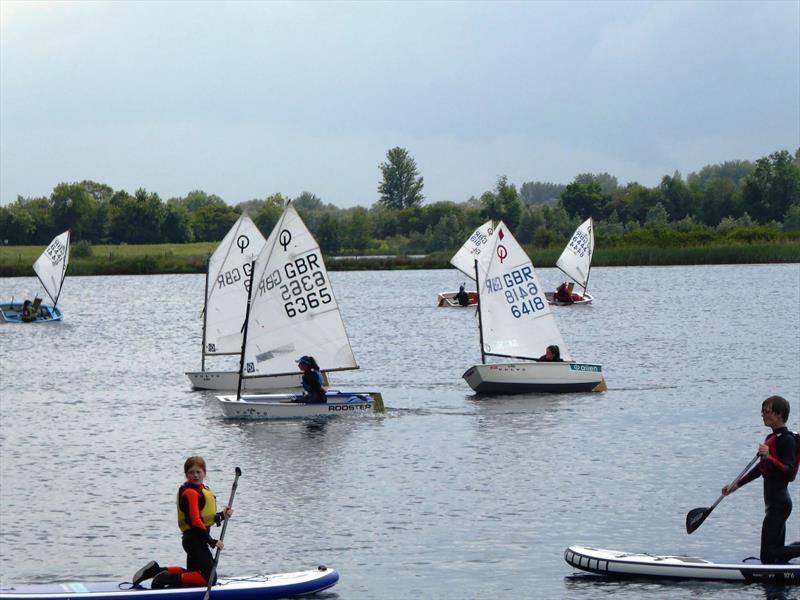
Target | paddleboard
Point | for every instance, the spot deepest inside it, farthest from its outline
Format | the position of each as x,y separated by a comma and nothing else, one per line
617,563
258,587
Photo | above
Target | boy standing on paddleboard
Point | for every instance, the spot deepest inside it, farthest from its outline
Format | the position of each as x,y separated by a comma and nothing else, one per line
780,454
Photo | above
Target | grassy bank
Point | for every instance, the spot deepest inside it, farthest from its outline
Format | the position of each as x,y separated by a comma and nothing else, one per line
191,258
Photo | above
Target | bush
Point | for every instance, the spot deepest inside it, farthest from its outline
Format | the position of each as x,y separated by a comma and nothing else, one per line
81,249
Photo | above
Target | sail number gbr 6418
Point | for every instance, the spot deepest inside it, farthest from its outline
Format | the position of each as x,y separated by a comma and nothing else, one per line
520,290
301,283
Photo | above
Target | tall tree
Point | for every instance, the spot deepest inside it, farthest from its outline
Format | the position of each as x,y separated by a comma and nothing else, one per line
401,186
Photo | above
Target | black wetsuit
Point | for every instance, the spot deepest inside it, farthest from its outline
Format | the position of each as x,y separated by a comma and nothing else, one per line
777,471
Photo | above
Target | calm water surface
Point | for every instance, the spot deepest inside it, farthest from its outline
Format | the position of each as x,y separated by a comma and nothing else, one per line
445,495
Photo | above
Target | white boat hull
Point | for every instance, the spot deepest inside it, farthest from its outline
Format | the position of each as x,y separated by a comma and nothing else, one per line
448,300
229,380
585,299
616,563
289,406
523,377
11,312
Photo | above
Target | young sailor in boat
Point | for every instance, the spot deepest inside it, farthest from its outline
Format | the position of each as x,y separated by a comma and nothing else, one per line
197,512
778,466
28,312
551,354
313,392
462,297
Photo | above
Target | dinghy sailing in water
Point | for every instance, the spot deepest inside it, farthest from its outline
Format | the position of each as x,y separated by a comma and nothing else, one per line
463,261
576,263
227,278
51,269
291,311
515,322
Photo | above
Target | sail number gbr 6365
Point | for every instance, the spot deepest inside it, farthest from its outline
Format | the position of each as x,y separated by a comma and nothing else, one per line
520,291
301,283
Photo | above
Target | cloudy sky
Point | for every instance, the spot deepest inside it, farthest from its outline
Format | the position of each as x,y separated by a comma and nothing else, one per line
246,99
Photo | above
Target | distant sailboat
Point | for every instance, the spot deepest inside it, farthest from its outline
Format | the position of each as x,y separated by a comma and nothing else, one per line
51,269
515,322
463,260
576,263
292,311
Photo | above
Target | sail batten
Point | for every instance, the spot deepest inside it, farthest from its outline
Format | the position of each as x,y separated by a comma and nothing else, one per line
516,319
293,310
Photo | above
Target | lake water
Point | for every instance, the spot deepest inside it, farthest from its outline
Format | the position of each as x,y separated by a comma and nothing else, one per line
446,494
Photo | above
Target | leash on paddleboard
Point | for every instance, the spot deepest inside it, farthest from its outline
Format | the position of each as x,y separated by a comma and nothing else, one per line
213,574
696,516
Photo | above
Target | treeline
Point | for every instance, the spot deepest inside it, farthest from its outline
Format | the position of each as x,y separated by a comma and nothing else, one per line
739,201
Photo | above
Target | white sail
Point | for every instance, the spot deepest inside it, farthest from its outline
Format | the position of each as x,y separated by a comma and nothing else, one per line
51,266
293,311
464,259
228,278
515,316
576,260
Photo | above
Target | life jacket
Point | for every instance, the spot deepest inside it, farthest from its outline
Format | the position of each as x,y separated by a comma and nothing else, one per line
28,313
772,441
208,507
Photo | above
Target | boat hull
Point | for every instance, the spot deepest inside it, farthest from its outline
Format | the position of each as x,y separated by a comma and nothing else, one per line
585,299
229,380
615,563
290,406
448,300
260,587
524,377
11,312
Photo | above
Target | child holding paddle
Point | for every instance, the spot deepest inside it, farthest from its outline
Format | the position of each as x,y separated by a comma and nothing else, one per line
197,512
779,456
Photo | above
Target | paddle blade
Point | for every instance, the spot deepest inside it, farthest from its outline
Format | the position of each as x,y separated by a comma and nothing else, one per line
695,518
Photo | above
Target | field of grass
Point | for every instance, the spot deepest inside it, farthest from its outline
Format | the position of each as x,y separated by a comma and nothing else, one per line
192,258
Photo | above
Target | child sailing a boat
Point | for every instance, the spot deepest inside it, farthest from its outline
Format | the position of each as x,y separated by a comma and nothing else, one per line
312,380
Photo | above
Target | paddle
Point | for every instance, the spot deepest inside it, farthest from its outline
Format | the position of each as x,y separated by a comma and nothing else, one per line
696,516
213,574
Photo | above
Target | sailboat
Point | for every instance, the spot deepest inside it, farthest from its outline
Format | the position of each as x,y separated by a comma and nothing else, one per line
227,278
576,262
51,269
463,261
291,311
515,322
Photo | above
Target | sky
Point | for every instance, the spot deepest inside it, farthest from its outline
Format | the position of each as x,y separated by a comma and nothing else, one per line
248,99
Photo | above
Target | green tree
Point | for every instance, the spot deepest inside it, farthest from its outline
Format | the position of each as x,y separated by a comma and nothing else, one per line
73,208
540,192
401,186
356,229
328,236
269,212
177,228
584,199
503,204
772,187
213,221
138,219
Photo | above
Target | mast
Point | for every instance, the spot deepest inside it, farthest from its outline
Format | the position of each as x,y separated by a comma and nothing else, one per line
480,321
205,318
244,334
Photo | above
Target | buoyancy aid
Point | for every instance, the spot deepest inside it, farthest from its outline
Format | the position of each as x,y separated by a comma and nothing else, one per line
773,464
207,504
